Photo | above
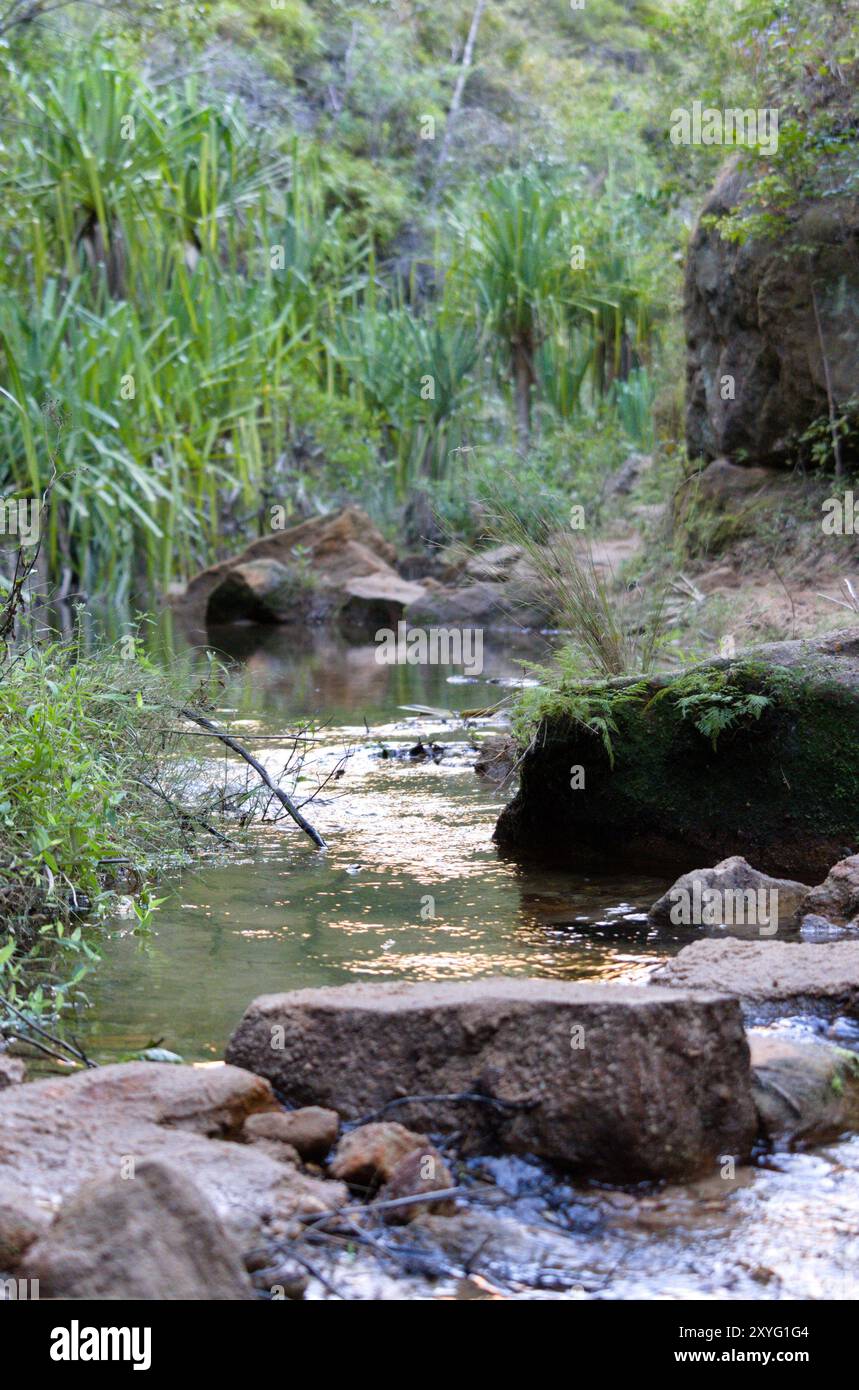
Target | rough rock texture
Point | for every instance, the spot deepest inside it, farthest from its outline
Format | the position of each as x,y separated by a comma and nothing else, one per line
368,1155
806,1090
311,1131
750,314
56,1134
21,1223
732,880
837,898
422,1171
771,977
12,1070
328,568
153,1236
613,1081
781,789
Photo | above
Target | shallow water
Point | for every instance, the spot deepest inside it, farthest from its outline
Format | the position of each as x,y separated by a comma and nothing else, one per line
407,839
411,886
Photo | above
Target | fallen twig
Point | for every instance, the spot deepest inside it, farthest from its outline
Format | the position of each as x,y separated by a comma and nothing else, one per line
258,768
456,1097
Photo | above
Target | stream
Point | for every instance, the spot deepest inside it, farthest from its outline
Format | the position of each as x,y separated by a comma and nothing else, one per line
411,887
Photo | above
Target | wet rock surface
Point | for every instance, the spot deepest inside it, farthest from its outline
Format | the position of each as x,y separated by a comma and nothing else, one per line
614,1081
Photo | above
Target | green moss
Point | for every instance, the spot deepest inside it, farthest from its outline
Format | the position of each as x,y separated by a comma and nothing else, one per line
747,758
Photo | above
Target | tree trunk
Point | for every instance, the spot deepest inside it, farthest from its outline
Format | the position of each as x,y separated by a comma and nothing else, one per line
523,379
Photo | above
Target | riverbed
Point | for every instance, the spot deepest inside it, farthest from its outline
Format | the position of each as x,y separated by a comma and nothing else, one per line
411,887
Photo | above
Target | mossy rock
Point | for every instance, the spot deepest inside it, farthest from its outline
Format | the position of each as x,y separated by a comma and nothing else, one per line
756,755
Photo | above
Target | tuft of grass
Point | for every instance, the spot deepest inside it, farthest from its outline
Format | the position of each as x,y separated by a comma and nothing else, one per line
614,632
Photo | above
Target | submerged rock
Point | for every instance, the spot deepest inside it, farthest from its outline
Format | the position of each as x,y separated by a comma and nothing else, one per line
771,978
56,1134
617,1082
806,1089
753,754
153,1236
497,757
732,894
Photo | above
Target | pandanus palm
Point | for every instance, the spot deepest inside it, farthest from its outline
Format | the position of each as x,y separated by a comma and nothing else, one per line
519,259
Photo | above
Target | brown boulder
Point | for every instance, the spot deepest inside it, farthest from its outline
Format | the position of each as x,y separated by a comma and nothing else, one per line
21,1223
614,1081
368,1155
732,895
806,1089
329,567
12,1070
153,1236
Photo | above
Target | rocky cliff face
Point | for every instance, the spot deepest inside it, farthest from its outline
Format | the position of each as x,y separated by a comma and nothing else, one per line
774,316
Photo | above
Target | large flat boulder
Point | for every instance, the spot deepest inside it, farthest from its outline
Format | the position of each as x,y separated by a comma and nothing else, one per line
150,1236
752,755
771,978
612,1081
330,568
58,1133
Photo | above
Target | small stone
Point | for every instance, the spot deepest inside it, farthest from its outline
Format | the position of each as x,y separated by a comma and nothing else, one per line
369,1155
311,1130
421,1171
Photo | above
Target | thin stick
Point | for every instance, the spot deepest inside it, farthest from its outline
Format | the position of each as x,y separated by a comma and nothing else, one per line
258,768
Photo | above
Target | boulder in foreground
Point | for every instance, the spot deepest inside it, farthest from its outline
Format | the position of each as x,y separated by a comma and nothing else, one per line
771,978
616,1082
61,1132
150,1236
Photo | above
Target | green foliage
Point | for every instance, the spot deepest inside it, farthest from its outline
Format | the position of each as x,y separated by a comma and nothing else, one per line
714,700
